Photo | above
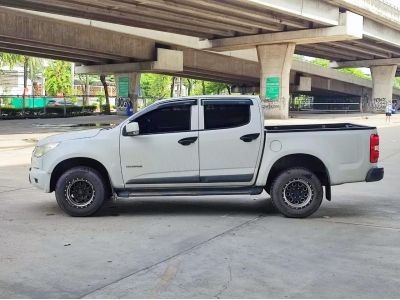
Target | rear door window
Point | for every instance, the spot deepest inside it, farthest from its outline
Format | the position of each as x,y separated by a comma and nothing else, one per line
218,115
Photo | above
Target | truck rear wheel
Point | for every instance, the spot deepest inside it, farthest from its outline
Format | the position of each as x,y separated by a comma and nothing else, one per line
80,191
297,193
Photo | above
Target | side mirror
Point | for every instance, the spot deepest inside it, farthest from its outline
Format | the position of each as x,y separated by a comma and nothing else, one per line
132,129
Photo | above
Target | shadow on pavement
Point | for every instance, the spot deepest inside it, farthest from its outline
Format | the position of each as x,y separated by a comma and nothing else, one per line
195,207
187,206
199,207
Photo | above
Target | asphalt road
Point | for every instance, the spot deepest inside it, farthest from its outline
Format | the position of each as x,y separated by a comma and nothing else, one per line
225,247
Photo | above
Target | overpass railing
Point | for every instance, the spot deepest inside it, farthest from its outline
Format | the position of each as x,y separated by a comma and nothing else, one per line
391,4
386,8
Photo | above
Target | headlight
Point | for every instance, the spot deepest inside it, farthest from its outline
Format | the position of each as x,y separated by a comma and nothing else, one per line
42,150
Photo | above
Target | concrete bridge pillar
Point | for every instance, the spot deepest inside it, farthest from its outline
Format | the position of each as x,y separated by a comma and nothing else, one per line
382,90
276,62
128,88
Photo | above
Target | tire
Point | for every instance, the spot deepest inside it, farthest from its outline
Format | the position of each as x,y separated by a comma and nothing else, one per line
297,193
80,191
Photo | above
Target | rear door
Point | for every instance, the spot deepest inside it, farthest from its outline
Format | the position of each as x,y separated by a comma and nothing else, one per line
230,140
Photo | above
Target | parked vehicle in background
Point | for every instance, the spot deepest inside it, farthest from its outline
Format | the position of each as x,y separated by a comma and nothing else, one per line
59,102
205,146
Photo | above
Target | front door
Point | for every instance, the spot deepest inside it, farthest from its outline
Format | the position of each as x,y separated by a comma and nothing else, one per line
166,150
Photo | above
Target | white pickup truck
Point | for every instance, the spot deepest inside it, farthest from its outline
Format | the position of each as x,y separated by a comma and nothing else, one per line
195,146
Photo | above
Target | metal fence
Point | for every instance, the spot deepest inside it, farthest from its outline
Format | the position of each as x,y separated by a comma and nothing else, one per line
332,107
328,105
16,106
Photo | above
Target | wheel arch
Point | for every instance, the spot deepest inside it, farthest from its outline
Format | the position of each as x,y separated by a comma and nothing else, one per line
70,163
300,160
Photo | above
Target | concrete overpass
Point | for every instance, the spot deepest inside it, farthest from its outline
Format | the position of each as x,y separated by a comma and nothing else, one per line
348,32
317,26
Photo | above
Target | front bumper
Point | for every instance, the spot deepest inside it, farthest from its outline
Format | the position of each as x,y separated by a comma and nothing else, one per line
375,174
39,179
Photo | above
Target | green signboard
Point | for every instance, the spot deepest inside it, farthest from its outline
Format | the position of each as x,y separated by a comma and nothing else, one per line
272,90
123,86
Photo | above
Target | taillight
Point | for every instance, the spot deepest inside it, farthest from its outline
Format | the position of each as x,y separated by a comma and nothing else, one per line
374,148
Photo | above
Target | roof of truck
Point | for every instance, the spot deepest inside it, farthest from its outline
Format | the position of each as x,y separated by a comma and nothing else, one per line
188,98
219,97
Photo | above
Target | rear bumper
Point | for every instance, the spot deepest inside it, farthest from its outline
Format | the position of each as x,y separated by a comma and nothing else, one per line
375,174
40,179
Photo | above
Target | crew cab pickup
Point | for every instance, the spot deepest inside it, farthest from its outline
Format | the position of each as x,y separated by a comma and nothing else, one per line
204,145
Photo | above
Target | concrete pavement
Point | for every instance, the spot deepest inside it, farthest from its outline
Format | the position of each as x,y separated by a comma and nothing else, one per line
224,247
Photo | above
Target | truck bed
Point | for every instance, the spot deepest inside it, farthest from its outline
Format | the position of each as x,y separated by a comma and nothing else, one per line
317,127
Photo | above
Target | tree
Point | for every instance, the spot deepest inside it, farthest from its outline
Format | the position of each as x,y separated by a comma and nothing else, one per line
189,84
155,87
216,88
10,60
33,66
210,88
172,86
58,78
85,82
26,66
203,87
105,85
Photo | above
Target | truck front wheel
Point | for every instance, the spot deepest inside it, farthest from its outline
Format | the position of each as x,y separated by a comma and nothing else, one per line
297,193
80,191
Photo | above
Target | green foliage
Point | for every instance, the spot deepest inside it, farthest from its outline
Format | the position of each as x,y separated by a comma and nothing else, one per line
73,99
90,79
9,112
103,107
58,78
35,67
300,101
215,88
299,57
34,64
101,98
397,82
355,72
83,79
155,87
190,84
5,102
10,60
210,88
320,62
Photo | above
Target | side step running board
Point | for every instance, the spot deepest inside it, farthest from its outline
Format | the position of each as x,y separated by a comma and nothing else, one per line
187,192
